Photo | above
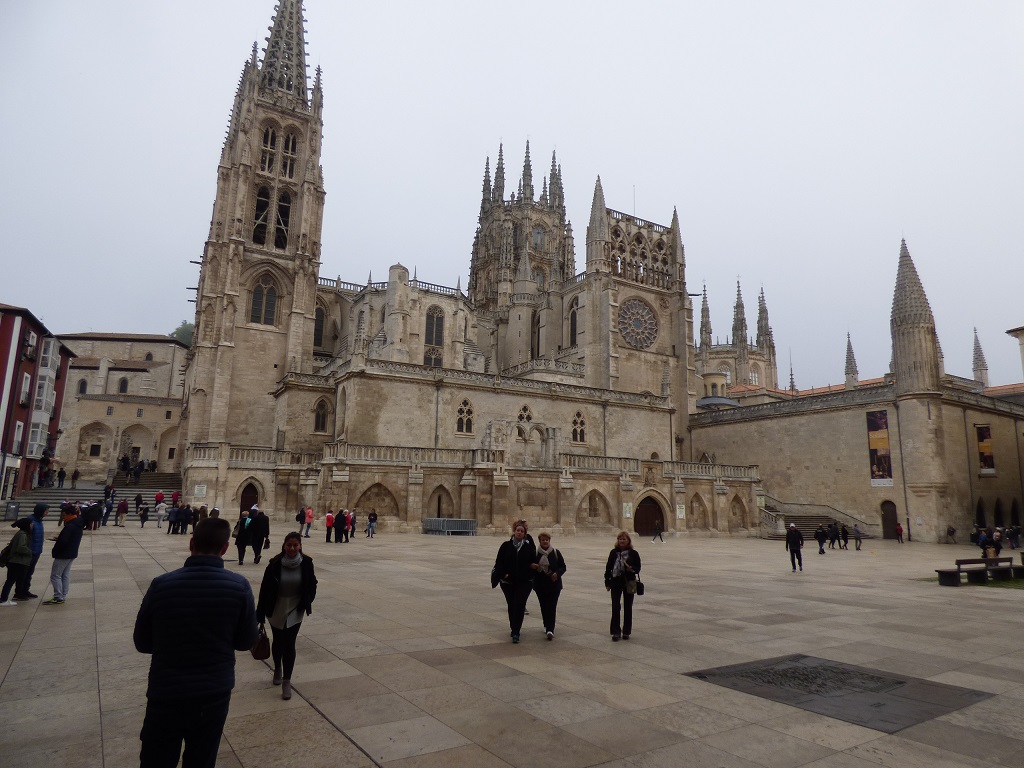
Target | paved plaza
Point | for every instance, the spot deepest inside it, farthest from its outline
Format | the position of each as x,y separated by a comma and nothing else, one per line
406,660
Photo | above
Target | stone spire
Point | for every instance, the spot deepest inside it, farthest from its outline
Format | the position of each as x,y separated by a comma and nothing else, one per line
678,253
284,61
739,322
556,195
980,366
597,230
544,192
914,342
485,198
498,194
765,340
851,365
527,184
792,380
705,321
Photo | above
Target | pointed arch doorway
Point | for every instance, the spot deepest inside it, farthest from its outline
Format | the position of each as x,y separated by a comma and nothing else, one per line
250,496
648,514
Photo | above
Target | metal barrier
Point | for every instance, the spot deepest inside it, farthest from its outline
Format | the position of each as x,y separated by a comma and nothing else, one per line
447,526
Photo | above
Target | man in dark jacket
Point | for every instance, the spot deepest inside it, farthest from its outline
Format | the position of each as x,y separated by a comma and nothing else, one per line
260,528
795,543
193,620
23,592
65,550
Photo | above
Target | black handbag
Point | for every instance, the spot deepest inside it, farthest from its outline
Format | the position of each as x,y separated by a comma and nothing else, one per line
639,586
261,649
266,543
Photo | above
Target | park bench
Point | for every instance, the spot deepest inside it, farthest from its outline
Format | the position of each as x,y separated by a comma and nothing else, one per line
446,526
979,569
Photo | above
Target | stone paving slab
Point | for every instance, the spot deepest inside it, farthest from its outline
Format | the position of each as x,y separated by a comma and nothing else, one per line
406,660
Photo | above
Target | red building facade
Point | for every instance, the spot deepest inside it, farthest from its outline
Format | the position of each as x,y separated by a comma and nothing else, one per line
33,372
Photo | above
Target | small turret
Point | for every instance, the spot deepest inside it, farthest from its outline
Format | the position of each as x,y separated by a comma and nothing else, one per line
705,322
498,194
851,365
597,230
739,321
485,198
765,338
980,365
676,249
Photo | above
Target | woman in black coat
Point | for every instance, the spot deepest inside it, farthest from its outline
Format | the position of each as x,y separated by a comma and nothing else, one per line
620,577
286,596
243,535
549,567
513,568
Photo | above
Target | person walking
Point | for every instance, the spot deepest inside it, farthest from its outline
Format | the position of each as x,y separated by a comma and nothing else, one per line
161,513
820,535
620,578
371,523
844,537
192,620
19,556
139,501
310,517
833,534
352,526
514,572
74,478
899,533
122,513
329,524
795,545
260,526
339,525
658,528
243,535
61,476
856,537
547,581
64,553
286,596
23,591
349,521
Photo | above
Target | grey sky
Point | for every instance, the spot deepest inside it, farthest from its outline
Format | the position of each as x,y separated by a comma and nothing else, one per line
799,140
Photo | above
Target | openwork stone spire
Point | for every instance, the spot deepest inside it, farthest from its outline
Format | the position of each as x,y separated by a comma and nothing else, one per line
499,176
284,61
980,365
527,184
739,321
705,321
765,340
485,201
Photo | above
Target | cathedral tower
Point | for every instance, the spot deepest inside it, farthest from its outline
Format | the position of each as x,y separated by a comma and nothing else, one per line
256,294
914,342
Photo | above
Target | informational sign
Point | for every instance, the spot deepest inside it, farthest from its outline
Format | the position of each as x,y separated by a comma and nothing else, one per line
680,511
200,492
878,449
627,509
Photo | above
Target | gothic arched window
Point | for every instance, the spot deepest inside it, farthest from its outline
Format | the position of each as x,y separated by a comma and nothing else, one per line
728,374
83,386
262,216
320,417
574,308
269,150
755,377
464,422
289,156
122,387
264,302
284,210
318,327
435,327
579,428
433,358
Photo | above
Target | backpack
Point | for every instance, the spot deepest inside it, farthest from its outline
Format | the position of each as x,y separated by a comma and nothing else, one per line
300,517
5,555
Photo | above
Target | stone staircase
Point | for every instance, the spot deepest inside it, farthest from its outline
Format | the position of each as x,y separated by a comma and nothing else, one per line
149,484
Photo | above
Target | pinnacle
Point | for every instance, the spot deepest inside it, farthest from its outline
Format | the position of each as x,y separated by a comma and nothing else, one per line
284,60
909,302
851,362
980,363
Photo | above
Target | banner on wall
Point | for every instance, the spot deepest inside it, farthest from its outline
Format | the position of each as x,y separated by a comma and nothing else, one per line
627,509
878,449
986,460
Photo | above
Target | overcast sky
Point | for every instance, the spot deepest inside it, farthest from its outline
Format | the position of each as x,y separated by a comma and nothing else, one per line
799,140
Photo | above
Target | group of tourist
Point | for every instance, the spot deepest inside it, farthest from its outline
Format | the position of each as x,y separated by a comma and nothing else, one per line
523,567
134,470
26,547
993,538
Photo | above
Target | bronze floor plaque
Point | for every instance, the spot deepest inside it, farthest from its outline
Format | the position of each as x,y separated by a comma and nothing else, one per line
869,697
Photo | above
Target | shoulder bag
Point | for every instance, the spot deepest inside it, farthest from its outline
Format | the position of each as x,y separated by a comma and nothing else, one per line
261,649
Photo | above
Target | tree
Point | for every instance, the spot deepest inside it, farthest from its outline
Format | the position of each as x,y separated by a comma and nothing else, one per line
183,333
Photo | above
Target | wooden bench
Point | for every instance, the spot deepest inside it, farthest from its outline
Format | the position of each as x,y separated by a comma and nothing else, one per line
979,569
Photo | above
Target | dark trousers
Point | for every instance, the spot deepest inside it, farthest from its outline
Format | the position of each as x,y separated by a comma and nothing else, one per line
344,532
106,513
25,584
547,596
199,722
620,596
856,544
516,596
257,549
283,649
241,551
796,557
15,575
658,536
329,532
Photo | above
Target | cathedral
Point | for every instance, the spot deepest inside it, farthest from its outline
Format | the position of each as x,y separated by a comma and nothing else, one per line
579,400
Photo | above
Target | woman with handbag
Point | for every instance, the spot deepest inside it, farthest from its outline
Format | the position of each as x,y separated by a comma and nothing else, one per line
513,570
243,535
286,596
621,577
19,557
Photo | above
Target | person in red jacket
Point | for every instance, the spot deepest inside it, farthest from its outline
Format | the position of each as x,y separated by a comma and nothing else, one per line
158,498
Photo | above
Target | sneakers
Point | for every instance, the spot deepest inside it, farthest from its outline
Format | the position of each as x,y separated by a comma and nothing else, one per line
53,601
551,635
515,639
8,602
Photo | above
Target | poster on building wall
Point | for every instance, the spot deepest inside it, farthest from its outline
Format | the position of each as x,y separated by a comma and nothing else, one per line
627,509
986,461
878,449
680,511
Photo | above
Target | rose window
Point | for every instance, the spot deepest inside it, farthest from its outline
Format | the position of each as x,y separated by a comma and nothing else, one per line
638,324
